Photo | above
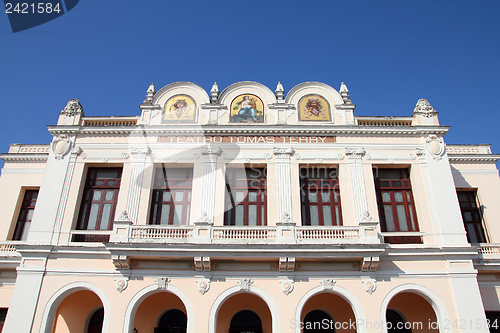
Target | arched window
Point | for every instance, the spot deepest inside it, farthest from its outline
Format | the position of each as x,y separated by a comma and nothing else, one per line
245,321
172,321
318,321
395,322
95,322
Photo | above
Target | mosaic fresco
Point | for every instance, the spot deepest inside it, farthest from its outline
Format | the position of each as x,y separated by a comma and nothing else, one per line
314,108
179,109
247,108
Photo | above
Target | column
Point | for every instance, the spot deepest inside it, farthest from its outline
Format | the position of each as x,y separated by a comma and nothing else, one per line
210,156
138,162
284,191
355,156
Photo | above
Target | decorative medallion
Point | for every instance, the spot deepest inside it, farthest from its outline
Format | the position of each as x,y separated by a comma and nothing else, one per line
436,147
179,109
121,283
328,283
61,146
247,108
203,285
370,285
162,283
245,284
286,286
314,108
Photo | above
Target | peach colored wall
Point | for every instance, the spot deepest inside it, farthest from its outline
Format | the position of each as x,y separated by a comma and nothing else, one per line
74,312
244,301
415,309
153,307
336,306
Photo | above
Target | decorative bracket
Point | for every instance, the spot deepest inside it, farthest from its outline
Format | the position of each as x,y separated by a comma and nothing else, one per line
202,264
287,264
121,261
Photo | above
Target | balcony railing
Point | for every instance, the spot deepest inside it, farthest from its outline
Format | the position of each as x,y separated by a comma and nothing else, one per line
206,233
489,250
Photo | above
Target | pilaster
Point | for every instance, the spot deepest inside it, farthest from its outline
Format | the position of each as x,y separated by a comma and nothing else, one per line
138,162
283,181
355,156
210,157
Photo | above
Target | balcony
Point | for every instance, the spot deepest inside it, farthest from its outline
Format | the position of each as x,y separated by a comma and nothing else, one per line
206,233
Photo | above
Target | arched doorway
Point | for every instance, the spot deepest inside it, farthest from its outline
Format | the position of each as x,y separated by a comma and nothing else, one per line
324,310
96,320
172,321
237,310
245,321
161,312
318,321
80,311
409,312
396,323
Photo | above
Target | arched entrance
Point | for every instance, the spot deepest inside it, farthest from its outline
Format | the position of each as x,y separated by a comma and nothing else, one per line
409,312
161,312
245,321
172,321
327,312
244,312
81,309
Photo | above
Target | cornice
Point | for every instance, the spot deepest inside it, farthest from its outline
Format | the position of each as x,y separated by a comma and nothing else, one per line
303,130
474,158
24,158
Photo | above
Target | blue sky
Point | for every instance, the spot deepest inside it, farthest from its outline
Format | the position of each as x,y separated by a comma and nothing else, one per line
389,53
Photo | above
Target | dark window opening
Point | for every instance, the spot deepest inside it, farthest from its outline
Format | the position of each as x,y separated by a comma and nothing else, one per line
172,321
396,323
246,197
471,216
25,215
245,321
318,321
320,197
3,314
171,202
96,321
100,196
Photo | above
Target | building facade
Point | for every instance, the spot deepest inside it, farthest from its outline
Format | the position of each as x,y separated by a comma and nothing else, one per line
249,210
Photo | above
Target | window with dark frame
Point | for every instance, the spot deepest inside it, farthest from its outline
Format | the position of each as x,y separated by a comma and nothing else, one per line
471,216
25,215
171,201
246,197
320,197
396,205
100,196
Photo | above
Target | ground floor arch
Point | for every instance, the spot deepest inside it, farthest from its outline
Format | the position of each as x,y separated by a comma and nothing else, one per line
327,312
413,308
79,306
240,312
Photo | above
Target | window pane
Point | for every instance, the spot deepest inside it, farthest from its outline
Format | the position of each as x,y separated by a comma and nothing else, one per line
327,215
165,214
167,196
179,196
412,218
177,214
252,215
26,229
389,218
314,215
96,196
325,196
106,210
93,216
386,197
467,216
30,214
107,173
398,196
403,226
313,196
109,195
240,196
252,196
239,215
471,232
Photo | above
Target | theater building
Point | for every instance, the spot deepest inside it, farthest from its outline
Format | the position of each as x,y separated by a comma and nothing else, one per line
249,210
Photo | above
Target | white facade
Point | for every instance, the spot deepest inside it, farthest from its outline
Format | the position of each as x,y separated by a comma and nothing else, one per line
279,263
